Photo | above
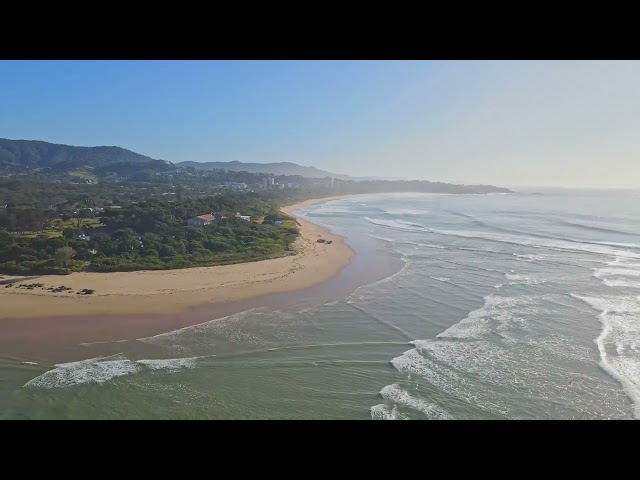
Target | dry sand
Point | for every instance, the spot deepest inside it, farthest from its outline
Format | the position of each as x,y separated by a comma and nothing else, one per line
170,291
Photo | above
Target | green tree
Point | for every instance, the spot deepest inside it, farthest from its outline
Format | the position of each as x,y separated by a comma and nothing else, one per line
69,233
64,255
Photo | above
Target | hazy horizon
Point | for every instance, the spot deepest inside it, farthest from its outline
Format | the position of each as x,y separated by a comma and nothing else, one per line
509,123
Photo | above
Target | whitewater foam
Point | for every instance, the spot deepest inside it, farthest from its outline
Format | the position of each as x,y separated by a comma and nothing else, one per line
405,211
620,320
623,262
610,272
519,279
170,364
162,337
93,370
495,309
420,244
440,279
561,245
384,412
620,283
396,394
528,257
397,225
102,369
618,244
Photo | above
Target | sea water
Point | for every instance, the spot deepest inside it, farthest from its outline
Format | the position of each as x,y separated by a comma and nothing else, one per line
506,306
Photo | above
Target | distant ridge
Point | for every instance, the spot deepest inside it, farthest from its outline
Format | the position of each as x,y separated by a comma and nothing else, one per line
21,155
53,161
38,154
278,168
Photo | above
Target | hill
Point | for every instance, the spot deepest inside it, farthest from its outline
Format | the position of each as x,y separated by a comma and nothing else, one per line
43,161
38,154
278,168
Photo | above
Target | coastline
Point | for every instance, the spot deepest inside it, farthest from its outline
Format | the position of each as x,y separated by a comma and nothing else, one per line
175,291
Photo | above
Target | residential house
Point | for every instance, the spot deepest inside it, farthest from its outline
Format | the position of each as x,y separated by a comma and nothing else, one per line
209,218
201,220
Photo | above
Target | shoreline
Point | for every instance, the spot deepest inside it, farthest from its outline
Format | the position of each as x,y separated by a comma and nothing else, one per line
164,292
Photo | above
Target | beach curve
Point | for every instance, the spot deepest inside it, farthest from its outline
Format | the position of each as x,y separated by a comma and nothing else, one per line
173,291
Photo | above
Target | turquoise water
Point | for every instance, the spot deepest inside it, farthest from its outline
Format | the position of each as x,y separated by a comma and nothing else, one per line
502,306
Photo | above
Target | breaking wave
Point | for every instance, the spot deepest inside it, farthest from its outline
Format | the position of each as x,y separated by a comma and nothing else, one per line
102,369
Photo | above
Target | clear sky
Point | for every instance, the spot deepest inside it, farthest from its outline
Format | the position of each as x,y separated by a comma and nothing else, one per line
546,123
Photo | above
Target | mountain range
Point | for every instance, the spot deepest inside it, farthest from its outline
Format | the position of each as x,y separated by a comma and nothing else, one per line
44,160
21,156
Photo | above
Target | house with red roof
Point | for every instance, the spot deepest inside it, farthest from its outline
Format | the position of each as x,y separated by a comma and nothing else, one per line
201,220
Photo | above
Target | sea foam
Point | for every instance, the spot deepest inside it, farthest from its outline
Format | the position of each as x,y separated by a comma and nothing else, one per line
396,394
102,369
384,412
618,340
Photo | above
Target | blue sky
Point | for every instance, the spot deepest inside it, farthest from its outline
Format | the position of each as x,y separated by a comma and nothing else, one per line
503,122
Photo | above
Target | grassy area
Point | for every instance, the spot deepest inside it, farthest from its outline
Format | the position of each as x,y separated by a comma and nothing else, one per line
50,233
289,224
83,175
73,223
59,225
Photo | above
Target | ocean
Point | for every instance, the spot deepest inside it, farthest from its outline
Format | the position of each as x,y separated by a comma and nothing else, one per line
499,306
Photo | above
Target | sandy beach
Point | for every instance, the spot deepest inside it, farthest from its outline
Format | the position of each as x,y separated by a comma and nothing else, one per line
171,291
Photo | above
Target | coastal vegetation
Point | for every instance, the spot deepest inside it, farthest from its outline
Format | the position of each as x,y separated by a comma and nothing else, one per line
105,209
149,235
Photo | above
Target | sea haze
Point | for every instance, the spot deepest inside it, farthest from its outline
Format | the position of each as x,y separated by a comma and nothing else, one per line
506,306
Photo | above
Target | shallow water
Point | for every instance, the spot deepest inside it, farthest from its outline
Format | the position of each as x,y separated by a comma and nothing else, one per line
505,306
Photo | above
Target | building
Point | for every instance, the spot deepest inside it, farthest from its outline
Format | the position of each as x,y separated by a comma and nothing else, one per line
201,220
235,185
